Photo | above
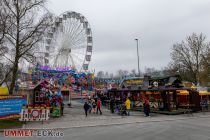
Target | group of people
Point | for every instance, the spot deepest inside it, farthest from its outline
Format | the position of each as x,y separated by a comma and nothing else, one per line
204,104
92,105
123,108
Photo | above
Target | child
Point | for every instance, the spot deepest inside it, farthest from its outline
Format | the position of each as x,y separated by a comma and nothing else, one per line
94,106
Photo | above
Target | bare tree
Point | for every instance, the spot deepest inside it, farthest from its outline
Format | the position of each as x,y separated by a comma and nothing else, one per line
111,75
5,73
153,72
133,72
27,22
205,74
189,55
5,69
122,73
3,30
106,74
100,74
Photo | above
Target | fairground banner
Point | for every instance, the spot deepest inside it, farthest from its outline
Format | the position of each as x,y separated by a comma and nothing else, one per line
10,106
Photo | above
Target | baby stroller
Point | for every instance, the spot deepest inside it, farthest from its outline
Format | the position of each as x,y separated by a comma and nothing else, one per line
122,110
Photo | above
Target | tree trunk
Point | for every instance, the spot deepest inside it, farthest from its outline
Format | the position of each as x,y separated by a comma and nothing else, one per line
5,78
15,66
14,75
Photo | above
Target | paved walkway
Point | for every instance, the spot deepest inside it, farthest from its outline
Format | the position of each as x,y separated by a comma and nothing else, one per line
74,117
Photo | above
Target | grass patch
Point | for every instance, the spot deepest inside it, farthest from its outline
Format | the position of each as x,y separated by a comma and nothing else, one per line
7,124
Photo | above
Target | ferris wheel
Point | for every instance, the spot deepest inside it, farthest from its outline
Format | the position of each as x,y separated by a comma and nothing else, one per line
69,42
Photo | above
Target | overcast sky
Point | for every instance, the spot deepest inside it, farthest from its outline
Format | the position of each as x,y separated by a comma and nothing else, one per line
158,24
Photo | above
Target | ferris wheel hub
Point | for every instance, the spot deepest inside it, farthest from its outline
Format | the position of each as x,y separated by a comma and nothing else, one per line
64,50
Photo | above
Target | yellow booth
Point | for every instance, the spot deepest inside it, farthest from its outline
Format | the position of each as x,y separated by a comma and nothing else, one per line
4,91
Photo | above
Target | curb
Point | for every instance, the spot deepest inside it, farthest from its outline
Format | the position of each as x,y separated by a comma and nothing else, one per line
193,117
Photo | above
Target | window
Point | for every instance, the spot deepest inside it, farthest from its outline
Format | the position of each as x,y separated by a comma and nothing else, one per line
38,98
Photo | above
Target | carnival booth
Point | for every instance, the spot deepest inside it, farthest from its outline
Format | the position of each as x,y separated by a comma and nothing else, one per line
204,93
164,94
54,86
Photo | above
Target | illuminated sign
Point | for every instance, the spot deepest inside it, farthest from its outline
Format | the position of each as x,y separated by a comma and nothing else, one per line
134,82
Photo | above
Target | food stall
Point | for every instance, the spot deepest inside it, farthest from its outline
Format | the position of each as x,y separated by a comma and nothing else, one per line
164,94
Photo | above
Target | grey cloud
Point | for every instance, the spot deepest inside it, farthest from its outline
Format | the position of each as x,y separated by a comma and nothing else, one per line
157,23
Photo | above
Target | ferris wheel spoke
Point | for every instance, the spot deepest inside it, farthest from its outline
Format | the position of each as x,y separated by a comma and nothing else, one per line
73,28
67,60
77,47
81,32
73,41
79,60
79,40
69,29
57,41
77,27
72,25
76,30
66,28
79,56
78,35
73,63
68,25
55,61
79,53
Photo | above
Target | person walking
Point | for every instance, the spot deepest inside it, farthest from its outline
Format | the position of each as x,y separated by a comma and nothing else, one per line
112,105
90,104
128,106
99,106
62,107
94,106
147,108
144,107
86,108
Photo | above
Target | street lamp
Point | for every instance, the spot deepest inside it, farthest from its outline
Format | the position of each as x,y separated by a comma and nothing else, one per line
137,43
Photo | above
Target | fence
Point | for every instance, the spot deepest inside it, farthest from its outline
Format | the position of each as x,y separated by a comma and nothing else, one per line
34,114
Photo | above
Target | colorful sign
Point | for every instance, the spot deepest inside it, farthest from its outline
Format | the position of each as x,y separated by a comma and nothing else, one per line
10,106
134,82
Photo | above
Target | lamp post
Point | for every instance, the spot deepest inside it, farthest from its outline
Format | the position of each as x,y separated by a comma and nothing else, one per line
137,44
197,67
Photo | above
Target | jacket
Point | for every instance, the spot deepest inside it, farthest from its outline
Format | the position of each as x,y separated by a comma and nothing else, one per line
86,106
128,104
98,104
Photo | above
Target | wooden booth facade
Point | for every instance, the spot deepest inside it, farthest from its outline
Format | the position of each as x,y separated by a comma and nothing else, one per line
164,94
